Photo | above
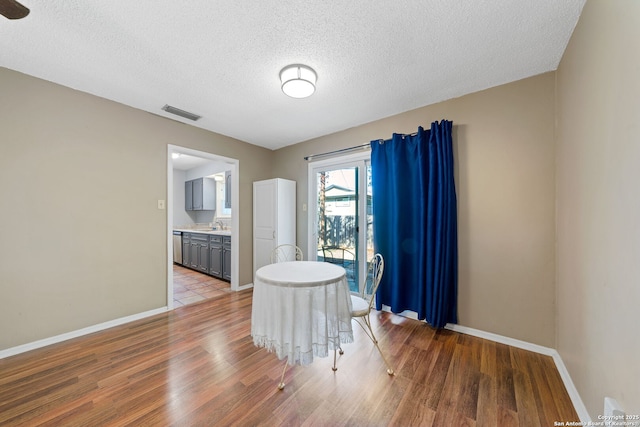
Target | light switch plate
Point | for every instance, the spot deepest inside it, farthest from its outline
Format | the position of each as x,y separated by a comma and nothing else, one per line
160,204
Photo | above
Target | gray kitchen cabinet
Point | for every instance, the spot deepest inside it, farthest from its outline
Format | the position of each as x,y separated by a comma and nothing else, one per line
200,194
207,253
227,189
215,256
193,254
226,258
186,245
188,195
199,252
197,185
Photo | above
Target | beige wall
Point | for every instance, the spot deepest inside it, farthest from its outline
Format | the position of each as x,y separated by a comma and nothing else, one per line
504,154
598,168
82,241
74,169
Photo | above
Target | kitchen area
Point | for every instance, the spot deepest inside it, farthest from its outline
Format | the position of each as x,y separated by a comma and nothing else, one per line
202,228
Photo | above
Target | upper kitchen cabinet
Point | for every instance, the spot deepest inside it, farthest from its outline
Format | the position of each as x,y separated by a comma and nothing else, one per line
200,194
188,195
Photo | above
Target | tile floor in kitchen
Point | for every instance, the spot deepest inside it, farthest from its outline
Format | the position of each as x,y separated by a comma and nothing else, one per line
190,286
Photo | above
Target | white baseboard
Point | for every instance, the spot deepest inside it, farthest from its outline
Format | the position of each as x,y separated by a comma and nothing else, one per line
247,286
501,339
571,389
78,333
585,418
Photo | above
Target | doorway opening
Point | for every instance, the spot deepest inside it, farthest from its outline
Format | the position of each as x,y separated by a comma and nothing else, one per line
195,164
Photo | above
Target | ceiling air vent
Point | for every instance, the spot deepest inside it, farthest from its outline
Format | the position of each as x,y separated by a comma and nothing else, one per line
181,113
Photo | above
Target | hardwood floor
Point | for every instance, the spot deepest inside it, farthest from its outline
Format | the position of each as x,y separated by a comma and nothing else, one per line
197,366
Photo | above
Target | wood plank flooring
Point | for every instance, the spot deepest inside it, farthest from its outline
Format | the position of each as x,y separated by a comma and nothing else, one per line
197,366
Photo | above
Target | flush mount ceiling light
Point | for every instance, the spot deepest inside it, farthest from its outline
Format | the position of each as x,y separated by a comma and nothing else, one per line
298,81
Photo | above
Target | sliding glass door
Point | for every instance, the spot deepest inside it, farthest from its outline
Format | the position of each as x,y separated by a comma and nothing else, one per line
340,214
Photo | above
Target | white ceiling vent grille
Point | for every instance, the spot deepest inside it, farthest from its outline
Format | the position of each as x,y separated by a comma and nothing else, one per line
181,113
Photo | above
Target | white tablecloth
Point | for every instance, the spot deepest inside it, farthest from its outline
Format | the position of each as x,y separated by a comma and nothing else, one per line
301,309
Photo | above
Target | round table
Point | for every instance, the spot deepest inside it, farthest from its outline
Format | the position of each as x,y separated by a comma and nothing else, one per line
301,309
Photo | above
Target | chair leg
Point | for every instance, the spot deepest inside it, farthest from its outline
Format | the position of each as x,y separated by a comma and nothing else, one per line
281,385
339,350
372,337
334,367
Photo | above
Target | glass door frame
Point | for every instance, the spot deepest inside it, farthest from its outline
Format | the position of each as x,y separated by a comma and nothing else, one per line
357,160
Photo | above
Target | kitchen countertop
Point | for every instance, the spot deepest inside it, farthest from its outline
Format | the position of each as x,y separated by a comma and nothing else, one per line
214,232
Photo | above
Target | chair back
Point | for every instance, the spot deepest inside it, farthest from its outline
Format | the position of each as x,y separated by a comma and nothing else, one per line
372,279
286,252
342,257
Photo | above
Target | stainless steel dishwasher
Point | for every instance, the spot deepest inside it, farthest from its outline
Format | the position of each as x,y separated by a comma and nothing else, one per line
177,247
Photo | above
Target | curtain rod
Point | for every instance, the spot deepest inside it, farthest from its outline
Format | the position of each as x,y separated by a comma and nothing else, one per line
342,150
355,147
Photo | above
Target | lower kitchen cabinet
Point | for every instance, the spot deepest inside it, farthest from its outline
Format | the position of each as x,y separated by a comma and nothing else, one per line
215,256
207,253
199,252
226,258
186,249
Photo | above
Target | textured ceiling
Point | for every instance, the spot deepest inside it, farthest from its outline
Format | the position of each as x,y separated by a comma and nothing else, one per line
221,58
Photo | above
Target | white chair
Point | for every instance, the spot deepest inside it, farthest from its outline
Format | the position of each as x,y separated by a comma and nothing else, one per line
286,252
363,303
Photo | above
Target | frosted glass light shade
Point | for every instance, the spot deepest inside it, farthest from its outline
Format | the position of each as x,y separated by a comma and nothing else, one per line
298,81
